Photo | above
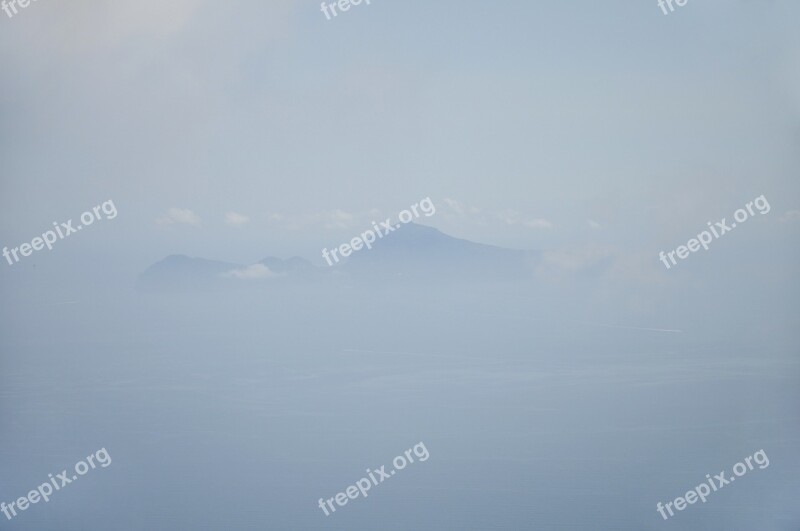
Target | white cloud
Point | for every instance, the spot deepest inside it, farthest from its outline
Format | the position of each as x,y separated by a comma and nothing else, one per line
250,272
234,219
538,223
593,224
179,215
338,219
459,211
457,206
791,215
509,217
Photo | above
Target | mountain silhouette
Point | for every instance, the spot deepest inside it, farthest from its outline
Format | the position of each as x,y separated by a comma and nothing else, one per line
412,252
419,252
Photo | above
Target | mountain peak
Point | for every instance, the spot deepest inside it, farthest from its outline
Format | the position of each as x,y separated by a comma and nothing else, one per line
410,252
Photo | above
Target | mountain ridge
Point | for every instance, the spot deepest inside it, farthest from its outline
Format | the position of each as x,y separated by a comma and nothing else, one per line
411,252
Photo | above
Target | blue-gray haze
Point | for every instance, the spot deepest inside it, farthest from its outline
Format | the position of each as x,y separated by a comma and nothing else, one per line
559,374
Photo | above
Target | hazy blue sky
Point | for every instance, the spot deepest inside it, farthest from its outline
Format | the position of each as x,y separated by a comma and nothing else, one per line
648,125
598,132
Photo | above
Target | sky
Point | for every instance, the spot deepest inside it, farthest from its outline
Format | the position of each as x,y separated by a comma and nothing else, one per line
599,133
610,122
